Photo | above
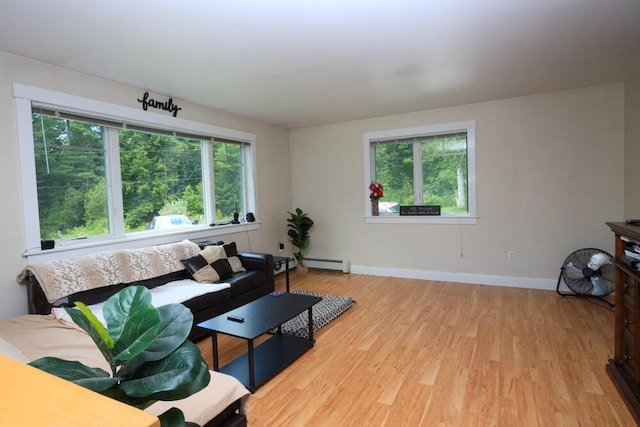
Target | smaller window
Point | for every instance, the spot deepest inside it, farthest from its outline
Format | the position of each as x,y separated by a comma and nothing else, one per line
427,165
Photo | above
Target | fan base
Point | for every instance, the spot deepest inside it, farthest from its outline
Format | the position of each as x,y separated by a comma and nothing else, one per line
600,297
563,294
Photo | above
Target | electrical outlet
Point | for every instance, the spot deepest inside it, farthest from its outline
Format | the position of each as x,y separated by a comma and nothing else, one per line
280,247
511,255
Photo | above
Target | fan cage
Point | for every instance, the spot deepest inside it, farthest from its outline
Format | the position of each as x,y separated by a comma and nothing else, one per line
583,284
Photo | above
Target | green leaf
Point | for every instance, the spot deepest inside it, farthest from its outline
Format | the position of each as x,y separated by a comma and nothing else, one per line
96,331
97,324
175,324
172,418
177,376
95,379
202,379
304,245
119,306
136,332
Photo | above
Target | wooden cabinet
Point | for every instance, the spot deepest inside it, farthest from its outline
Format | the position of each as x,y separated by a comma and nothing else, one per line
624,368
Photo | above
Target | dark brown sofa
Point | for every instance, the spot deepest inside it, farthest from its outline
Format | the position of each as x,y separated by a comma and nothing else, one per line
246,286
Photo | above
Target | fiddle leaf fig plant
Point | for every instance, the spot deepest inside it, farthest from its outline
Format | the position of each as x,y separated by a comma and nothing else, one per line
147,350
299,226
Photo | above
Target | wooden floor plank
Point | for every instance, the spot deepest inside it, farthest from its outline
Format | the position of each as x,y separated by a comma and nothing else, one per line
425,353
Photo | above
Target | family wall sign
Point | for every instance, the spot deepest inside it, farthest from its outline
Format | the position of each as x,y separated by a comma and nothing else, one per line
153,103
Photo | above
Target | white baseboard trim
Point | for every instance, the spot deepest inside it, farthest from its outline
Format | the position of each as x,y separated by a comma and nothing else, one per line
476,279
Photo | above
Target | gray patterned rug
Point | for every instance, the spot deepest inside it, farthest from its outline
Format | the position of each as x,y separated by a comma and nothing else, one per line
323,313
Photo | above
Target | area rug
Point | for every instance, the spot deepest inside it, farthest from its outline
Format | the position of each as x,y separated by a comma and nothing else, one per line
324,312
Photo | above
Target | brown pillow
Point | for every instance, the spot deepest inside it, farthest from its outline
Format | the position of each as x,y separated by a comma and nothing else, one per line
214,263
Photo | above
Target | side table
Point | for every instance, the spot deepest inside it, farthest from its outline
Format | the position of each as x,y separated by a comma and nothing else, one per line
277,263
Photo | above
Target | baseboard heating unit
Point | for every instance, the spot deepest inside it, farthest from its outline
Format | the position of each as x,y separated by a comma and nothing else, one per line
328,264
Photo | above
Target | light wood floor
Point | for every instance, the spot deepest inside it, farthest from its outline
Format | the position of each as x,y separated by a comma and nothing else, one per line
422,353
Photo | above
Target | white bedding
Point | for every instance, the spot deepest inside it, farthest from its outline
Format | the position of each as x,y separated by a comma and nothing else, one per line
173,292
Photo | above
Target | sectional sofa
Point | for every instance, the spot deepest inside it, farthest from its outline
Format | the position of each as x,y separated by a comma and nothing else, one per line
209,279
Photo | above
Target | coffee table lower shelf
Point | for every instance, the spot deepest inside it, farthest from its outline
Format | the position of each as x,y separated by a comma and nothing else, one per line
270,358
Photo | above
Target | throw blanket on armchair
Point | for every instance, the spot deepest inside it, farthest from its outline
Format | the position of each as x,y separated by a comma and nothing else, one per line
68,276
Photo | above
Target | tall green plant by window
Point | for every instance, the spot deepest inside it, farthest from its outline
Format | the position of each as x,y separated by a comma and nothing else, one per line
299,226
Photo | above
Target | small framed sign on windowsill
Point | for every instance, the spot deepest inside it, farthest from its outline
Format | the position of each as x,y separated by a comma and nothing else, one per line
425,210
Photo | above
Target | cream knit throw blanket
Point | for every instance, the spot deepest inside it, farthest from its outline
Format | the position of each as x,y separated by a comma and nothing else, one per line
65,277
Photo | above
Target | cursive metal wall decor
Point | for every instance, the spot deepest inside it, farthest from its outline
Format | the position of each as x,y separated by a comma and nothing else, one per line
153,103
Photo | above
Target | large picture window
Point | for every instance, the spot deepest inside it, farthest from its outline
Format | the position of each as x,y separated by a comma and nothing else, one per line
96,177
429,165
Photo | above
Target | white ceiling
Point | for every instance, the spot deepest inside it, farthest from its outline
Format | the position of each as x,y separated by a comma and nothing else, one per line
298,63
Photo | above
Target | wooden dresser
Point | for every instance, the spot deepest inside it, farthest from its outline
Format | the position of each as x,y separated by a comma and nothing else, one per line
624,368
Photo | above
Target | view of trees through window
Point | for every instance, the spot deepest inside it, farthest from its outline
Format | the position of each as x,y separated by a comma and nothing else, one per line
160,175
71,177
441,174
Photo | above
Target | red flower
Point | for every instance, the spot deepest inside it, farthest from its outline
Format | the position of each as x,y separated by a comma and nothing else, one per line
376,191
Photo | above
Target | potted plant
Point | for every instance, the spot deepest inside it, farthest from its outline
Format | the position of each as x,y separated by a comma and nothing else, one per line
299,226
146,348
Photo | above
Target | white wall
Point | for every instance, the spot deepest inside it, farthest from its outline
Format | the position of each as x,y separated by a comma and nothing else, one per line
549,175
549,168
274,192
632,148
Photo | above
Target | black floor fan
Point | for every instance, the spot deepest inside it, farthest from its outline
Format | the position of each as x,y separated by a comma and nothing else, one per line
588,272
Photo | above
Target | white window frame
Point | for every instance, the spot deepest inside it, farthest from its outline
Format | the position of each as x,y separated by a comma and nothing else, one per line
25,96
369,138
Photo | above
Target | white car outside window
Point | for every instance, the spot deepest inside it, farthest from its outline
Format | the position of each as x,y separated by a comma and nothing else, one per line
389,207
167,221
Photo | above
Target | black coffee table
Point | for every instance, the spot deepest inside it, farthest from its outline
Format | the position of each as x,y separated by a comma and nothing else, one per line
260,317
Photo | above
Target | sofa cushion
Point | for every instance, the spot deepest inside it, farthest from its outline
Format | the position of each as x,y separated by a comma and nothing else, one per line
214,263
245,281
203,302
175,292
95,296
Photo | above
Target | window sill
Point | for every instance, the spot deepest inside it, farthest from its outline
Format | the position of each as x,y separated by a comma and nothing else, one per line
396,219
75,248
